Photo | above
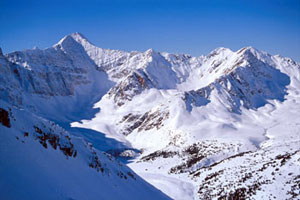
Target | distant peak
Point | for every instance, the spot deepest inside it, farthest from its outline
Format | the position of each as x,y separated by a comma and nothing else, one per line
220,50
78,35
152,53
248,49
250,52
67,38
74,37
251,48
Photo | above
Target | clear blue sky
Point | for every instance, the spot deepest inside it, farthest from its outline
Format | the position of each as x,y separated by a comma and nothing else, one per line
193,27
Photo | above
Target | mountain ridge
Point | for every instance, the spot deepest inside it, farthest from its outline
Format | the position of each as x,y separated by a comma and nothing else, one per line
169,117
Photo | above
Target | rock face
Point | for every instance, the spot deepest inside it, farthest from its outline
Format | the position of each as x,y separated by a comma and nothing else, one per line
56,84
250,85
221,126
4,118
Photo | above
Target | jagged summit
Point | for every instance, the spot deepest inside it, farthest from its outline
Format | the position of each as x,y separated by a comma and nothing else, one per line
78,35
154,56
151,52
251,52
220,50
73,36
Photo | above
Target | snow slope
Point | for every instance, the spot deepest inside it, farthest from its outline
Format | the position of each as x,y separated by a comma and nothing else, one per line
223,125
40,160
58,84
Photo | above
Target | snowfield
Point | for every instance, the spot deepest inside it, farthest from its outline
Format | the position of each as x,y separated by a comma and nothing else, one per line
94,123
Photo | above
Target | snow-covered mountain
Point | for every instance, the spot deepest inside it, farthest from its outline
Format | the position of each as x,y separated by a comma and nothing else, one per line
221,126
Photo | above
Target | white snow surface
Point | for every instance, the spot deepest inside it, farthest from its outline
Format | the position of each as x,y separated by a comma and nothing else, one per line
193,127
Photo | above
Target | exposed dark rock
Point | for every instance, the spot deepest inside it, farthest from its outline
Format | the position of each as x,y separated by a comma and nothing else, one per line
147,121
131,175
4,118
133,85
157,154
95,163
121,175
55,141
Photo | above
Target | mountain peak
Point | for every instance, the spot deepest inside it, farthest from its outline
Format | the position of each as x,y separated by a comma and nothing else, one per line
78,36
202,120
248,49
251,53
151,53
220,51
74,37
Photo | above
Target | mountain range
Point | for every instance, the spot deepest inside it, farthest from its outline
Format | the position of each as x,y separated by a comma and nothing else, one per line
82,122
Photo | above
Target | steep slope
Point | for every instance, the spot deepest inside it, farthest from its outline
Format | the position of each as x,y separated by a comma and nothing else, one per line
59,77
218,103
40,160
268,133
59,83
246,82
188,125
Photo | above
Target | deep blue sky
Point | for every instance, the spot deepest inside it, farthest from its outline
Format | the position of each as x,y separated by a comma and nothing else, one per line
193,27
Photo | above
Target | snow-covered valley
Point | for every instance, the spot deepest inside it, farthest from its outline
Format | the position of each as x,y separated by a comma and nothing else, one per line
82,122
